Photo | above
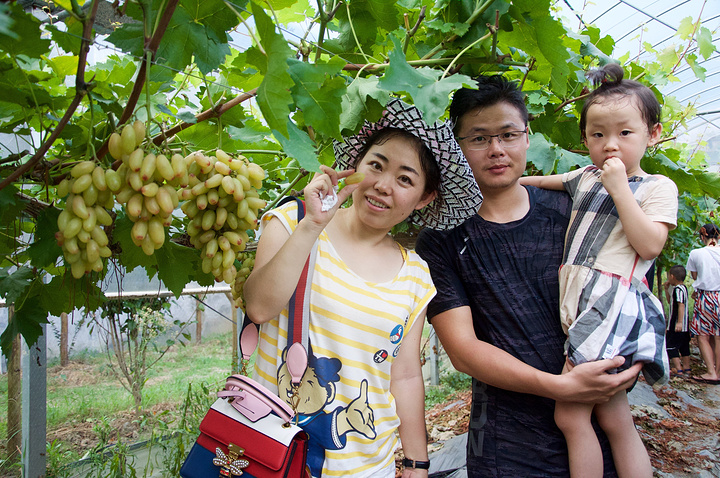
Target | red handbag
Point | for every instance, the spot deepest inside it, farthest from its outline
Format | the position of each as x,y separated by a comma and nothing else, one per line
249,430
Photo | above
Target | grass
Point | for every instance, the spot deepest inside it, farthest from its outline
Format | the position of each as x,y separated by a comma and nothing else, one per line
88,388
85,400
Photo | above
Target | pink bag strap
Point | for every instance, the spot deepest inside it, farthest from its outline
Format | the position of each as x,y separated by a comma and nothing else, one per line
254,400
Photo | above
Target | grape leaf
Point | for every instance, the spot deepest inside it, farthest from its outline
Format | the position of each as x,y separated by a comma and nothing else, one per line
44,251
363,100
696,68
176,266
299,146
12,284
198,29
361,22
6,22
273,95
28,39
705,43
541,154
318,93
537,34
686,182
430,95
26,321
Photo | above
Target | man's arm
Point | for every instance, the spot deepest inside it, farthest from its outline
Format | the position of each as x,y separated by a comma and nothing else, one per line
587,383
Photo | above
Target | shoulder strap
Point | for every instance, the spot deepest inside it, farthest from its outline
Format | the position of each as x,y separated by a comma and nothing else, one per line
298,316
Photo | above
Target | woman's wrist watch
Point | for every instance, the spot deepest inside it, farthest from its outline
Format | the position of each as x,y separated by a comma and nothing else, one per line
421,465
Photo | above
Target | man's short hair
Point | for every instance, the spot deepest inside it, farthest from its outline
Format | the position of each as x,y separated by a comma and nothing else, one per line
678,272
491,90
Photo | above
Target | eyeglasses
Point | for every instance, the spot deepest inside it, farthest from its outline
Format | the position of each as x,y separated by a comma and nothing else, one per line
508,139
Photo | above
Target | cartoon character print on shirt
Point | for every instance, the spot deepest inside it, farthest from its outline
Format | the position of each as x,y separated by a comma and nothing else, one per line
317,390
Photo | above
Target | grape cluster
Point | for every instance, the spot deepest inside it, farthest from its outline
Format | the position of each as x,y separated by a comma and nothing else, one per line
147,187
246,261
222,203
80,223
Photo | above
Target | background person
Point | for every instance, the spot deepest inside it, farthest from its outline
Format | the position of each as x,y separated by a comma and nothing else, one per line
677,337
496,311
704,267
369,294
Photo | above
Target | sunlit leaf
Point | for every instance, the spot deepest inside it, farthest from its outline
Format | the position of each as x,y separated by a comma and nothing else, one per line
274,93
299,146
429,93
705,43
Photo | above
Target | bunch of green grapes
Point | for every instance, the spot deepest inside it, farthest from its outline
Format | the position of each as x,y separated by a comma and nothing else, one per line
222,203
147,187
245,262
80,223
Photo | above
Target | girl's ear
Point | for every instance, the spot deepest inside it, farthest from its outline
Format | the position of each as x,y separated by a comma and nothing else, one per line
426,199
655,135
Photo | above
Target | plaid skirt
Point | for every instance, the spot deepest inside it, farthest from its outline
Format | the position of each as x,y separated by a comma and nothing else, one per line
614,316
706,318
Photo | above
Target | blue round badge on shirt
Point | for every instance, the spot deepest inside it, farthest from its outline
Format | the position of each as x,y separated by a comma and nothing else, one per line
397,334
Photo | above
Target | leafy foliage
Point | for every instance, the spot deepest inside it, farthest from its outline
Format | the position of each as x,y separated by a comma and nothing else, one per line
189,68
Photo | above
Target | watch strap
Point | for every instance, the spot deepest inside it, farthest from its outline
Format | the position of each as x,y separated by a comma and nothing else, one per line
421,465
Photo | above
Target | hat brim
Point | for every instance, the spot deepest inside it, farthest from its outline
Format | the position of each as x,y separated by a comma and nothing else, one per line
459,196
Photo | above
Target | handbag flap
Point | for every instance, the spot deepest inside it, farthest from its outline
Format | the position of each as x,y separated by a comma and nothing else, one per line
266,441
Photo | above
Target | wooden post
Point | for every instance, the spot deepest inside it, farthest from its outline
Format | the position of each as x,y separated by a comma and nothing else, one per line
198,321
14,405
233,338
64,346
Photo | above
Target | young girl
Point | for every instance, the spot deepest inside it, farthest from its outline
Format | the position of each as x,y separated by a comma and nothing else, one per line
369,294
620,220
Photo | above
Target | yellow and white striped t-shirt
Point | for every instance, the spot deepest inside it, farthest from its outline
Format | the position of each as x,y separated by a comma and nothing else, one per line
356,328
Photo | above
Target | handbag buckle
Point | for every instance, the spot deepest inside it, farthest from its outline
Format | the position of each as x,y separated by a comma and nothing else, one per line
230,464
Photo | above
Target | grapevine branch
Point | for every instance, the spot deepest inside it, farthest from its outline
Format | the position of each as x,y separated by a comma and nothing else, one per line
571,100
214,112
81,89
411,33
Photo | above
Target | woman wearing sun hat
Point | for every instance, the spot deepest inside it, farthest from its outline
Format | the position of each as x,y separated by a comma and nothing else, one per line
368,294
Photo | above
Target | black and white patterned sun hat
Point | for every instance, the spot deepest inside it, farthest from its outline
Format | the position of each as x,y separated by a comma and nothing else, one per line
459,196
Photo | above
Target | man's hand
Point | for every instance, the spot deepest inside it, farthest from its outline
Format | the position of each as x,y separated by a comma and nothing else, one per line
590,382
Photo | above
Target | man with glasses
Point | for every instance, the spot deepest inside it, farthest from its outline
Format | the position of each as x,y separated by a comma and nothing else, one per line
496,311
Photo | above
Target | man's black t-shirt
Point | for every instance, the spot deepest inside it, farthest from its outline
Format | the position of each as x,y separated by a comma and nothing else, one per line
508,275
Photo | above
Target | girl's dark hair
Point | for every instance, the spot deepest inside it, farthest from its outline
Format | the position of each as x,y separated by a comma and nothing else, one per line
710,231
490,91
610,84
428,163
